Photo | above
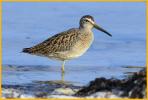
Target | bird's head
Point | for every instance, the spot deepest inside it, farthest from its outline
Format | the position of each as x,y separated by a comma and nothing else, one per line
88,22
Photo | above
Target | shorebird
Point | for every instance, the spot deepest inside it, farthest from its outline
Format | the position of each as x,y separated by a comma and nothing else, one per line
69,44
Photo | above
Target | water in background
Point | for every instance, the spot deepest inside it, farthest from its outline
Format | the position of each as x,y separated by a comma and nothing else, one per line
27,24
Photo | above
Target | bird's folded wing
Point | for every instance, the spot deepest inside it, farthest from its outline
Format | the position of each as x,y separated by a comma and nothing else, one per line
57,43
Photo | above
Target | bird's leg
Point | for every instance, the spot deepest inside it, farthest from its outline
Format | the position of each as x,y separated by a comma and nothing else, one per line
62,76
62,69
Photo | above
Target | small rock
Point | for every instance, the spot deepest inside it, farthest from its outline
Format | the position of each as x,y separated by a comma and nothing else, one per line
64,91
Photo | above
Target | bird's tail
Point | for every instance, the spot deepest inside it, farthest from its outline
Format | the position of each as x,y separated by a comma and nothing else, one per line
27,50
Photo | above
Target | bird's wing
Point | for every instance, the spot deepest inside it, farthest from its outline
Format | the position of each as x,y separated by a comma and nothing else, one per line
57,43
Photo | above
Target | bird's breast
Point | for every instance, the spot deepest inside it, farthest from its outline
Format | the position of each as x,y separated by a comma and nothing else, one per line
82,45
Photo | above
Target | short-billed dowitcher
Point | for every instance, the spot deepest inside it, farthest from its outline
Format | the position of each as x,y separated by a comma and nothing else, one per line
68,44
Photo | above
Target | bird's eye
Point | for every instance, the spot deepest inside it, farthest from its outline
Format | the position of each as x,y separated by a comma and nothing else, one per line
86,20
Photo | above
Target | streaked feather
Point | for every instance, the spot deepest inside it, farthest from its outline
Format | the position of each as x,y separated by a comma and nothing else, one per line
57,43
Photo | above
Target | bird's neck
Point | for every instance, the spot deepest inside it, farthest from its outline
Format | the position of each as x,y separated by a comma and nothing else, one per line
85,29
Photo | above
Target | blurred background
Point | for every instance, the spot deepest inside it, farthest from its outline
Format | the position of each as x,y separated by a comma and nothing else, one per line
27,24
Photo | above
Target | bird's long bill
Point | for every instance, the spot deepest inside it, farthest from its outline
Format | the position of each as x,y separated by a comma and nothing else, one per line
101,29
